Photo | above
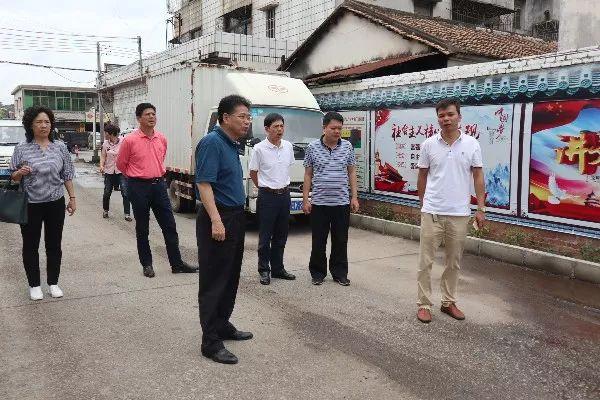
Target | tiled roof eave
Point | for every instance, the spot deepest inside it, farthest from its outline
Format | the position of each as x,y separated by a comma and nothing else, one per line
443,49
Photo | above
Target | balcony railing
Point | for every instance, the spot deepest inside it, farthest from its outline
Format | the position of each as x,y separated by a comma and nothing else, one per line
547,30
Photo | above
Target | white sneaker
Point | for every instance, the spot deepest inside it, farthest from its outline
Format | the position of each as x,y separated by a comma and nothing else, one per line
35,293
55,291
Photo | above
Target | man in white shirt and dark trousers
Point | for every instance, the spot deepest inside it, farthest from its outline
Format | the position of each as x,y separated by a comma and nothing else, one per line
270,172
447,163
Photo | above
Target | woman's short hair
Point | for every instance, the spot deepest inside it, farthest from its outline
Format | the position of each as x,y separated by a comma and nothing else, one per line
30,114
111,129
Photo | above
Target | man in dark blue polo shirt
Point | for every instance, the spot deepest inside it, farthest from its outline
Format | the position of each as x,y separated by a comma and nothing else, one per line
220,227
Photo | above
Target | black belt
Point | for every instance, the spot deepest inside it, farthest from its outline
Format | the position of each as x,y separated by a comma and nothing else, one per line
153,181
221,207
283,190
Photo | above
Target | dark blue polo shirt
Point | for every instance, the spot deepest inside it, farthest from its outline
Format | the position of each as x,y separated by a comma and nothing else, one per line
218,162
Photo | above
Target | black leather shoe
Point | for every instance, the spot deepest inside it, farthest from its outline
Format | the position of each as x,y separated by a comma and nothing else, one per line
317,281
148,271
264,278
184,268
238,335
283,275
342,281
223,356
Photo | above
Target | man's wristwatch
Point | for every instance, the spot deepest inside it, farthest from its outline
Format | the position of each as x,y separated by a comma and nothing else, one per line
482,209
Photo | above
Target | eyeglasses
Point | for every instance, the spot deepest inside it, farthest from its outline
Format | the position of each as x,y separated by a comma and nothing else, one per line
244,117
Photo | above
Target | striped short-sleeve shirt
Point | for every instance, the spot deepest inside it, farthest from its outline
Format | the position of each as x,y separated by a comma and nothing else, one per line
50,169
330,184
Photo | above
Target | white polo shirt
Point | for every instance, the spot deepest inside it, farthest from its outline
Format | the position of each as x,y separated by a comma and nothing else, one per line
449,182
272,163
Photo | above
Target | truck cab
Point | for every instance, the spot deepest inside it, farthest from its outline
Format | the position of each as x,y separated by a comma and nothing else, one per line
11,134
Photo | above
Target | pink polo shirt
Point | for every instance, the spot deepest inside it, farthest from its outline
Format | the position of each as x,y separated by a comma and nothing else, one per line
141,156
110,151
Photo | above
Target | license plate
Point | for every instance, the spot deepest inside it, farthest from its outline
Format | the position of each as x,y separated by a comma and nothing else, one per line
5,172
296,205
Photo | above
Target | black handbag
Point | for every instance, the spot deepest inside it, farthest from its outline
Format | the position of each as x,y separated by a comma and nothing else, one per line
13,204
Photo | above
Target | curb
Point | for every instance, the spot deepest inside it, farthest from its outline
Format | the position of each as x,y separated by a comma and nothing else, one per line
533,259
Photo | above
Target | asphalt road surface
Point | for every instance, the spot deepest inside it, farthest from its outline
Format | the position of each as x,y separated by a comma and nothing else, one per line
119,335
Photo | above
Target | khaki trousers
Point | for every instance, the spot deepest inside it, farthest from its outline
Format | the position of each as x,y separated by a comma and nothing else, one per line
453,231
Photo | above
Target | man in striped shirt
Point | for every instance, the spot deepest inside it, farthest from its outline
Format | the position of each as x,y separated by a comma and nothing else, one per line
330,170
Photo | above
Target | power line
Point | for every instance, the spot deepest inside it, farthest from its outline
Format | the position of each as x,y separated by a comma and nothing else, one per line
71,50
68,34
51,44
46,66
9,35
43,45
74,51
69,79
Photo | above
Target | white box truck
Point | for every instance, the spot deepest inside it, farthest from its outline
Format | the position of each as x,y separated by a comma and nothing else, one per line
186,100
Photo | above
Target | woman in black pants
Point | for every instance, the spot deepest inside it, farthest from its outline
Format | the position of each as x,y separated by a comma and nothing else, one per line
44,166
112,176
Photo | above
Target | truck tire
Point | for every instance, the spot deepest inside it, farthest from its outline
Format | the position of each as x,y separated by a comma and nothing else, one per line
178,204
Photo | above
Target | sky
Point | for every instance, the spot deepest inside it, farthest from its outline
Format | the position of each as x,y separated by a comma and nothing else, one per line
122,18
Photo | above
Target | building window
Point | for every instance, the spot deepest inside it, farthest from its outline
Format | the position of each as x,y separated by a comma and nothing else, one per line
547,30
482,14
423,7
79,102
517,14
63,101
196,33
271,22
238,21
44,98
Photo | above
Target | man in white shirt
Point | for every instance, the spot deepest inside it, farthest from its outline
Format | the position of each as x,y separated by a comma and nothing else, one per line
447,163
270,172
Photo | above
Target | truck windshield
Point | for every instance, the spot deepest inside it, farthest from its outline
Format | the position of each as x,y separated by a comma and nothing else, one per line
12,134
301,126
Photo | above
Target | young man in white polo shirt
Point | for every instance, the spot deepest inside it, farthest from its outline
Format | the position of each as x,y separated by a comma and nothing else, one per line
447,163
270,172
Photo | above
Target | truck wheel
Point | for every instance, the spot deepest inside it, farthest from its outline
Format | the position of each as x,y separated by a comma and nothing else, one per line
178,204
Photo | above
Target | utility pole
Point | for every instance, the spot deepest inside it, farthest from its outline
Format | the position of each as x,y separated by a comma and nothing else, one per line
139,42
96,158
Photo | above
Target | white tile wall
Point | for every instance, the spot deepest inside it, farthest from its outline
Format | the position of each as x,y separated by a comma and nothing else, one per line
294,19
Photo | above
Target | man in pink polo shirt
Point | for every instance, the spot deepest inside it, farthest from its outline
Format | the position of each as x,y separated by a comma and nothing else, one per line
141,159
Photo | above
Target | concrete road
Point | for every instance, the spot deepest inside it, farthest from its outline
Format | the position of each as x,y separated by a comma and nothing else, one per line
119,335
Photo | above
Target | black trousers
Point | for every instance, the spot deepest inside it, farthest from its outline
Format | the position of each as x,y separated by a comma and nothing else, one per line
273,221
112,182
322,220
146,195
220,264
52,216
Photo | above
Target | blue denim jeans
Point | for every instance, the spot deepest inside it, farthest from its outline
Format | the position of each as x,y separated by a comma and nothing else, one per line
112,182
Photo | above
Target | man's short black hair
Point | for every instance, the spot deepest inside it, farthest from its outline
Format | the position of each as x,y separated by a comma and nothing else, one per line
111,129
228,104
30,114
447,103
272,118
139,110
332,116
